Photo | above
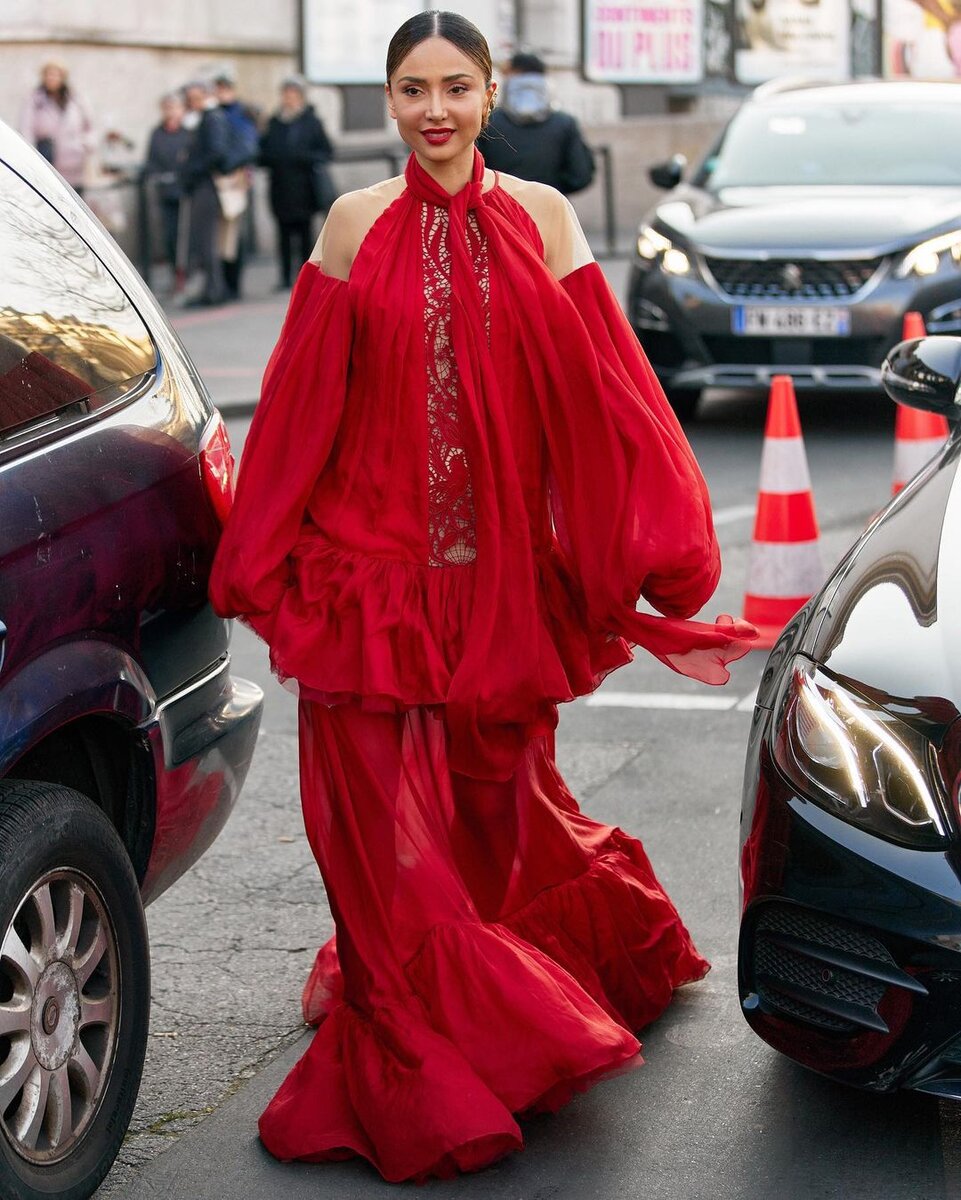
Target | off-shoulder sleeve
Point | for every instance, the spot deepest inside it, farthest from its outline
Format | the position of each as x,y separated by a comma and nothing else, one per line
290,438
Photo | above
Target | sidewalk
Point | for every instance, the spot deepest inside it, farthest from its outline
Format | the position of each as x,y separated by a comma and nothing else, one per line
230,344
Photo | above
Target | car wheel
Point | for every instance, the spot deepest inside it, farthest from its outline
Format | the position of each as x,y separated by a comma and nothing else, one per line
74,992
684,401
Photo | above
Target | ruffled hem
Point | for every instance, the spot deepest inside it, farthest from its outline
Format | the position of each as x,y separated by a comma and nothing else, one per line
389,634
426,1086
612,928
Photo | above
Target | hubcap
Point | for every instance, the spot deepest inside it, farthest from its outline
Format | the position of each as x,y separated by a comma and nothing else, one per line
59,1013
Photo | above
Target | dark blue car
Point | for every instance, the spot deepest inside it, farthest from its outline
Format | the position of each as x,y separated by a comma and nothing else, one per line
124,739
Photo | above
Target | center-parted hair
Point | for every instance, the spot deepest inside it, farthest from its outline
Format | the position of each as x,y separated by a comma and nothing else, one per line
448,25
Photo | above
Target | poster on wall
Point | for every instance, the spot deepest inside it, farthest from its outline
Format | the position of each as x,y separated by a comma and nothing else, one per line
347,43
922,39
791,37
652,41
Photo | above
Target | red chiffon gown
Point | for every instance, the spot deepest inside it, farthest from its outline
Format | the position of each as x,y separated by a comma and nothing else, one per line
460,479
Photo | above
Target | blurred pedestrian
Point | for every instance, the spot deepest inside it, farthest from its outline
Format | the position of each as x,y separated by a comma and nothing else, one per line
166,156
244,122
208,158
57,123
294,149
531,139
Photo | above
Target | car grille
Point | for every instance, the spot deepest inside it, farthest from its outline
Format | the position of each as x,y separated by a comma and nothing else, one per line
791,279
823,972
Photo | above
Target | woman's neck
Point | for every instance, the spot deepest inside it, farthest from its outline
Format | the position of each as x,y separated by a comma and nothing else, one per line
452,175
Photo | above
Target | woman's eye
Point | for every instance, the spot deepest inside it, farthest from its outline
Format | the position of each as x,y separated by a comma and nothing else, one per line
410,90
459,89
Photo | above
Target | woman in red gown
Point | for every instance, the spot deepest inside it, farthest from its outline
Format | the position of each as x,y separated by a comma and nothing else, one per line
461,477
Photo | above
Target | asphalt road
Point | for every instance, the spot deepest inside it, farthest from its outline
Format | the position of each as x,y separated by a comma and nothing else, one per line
714,1112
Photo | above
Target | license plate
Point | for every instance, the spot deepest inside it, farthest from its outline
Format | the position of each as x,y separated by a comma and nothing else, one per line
792,322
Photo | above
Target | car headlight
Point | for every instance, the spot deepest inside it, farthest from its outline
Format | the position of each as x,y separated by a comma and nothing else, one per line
858,760
925,259
654,248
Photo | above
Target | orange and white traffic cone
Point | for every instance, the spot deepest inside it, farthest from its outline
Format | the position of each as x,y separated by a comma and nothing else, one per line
918,435
786,567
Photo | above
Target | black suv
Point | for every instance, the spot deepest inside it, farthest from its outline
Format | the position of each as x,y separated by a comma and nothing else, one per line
124,740
822,215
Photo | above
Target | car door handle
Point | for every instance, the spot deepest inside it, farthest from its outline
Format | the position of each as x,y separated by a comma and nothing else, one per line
3,642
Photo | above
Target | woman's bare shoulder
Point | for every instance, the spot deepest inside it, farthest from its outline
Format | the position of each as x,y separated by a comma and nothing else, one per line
348,223
565,246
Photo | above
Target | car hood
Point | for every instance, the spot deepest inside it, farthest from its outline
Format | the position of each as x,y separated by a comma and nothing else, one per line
774,221
892,626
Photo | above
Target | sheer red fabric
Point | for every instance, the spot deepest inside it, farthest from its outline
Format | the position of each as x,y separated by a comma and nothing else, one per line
494,949
461,477
584,494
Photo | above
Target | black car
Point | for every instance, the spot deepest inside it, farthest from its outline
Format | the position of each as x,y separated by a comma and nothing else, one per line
822,215
850,944
124,738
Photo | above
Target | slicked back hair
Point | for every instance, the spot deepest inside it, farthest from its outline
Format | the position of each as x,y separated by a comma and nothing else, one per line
448,25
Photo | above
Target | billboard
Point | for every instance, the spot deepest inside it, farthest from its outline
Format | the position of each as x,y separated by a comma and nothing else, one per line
660,41
922,39
347,43
791,37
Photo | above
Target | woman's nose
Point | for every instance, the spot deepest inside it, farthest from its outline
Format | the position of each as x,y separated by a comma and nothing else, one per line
436,106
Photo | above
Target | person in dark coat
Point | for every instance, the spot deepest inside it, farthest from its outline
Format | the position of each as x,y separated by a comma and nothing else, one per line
166,155
527,137
293,146
208,156
245,121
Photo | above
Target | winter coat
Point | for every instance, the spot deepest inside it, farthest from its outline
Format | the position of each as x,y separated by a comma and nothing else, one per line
166,155
209,152
290,150
526,137
67,130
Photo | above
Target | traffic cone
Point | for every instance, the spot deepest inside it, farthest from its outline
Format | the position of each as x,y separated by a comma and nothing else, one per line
786,567
918,435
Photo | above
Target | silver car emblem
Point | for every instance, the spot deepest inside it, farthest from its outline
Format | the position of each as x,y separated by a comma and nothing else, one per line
791,276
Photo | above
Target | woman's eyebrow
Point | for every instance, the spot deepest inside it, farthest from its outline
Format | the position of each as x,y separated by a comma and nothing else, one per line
446,79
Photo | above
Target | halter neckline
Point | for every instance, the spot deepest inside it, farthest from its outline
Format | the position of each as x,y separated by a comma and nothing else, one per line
425,187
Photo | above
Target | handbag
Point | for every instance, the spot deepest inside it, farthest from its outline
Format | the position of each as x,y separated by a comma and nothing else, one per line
324,188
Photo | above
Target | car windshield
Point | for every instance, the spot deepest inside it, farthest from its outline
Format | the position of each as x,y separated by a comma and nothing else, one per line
837,144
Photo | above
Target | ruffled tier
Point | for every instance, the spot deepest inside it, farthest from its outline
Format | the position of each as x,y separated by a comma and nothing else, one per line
389,634
427,1085
612,928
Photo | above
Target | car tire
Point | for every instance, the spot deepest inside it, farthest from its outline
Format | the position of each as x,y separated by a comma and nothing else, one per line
74,992
684,401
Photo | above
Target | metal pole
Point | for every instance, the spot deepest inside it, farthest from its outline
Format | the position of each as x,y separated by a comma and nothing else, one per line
143,227
610,217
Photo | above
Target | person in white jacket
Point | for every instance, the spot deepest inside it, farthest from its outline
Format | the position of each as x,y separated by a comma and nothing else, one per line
56,122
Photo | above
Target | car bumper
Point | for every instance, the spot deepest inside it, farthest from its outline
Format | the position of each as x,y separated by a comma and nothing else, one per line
200,741
849,958
687,327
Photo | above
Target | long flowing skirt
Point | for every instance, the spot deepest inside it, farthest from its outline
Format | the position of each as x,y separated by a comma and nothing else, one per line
495,949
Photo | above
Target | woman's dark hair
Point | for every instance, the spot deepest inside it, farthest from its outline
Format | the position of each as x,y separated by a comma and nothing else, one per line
451,26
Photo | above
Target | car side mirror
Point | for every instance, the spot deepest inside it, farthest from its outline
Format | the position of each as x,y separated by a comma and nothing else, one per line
926,373
668,174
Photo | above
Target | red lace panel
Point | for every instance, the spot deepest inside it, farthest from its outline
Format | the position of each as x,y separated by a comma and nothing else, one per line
452,539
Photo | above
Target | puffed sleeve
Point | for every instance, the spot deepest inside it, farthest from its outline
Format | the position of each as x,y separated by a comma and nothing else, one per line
290,439
630,507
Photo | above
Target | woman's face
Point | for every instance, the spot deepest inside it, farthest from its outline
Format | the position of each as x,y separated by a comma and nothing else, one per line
438,97
52,78
291,99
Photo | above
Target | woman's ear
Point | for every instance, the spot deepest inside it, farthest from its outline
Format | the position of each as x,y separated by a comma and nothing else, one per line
390,102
